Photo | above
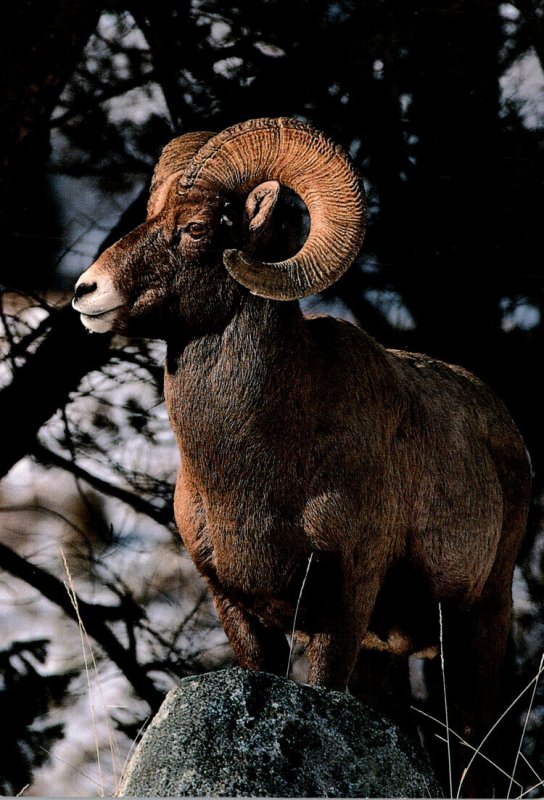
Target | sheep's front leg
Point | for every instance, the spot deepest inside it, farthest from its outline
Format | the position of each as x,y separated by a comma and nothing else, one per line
255,646
332,656
333,651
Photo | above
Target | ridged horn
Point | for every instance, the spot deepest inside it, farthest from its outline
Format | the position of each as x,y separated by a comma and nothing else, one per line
317,170
174,159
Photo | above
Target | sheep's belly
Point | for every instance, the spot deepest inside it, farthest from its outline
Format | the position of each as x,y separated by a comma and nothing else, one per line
404,620
399,643
279,613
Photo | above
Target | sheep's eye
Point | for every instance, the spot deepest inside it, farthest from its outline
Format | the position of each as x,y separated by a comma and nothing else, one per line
197,230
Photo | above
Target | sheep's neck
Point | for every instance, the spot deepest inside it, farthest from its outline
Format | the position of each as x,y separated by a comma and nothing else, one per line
237,400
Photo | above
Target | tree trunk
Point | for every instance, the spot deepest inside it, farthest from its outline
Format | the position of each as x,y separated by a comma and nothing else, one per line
40,46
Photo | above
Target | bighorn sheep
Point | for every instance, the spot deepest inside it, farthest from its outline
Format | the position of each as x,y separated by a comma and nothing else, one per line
404,476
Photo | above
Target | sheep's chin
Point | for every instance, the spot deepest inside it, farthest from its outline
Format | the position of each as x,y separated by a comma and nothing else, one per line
100,323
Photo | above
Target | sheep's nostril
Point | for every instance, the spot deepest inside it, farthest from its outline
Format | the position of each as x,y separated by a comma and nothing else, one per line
84,288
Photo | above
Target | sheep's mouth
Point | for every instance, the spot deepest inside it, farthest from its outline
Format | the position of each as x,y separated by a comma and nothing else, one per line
98,314
100,321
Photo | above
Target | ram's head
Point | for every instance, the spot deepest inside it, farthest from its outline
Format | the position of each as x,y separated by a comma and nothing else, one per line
210,209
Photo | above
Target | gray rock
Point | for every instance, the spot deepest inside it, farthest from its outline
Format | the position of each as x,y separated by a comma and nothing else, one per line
237,733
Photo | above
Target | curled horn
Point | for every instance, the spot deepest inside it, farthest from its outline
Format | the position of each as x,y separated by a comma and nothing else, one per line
175,158
317,170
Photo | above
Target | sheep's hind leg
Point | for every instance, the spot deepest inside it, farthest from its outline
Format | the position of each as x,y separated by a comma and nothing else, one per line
475,642
382,680
255,646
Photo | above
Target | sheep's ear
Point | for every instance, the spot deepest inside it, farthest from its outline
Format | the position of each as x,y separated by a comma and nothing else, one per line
260,205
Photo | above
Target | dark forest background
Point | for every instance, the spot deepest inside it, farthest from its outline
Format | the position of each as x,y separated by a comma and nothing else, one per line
440,103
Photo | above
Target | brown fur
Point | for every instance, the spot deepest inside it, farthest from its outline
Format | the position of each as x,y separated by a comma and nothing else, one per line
404,476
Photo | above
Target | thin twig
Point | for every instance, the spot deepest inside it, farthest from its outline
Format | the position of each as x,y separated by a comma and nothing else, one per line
442,666
463,742
296,615
490,731
128,757
85,641
55,757
528,791
533,770
83,633
533,695
8,334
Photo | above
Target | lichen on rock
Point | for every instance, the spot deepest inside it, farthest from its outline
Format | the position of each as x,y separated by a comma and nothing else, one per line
237,733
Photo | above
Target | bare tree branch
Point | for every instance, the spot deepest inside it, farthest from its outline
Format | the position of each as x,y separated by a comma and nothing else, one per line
532,12
78,109
93,619
60,362
161,515
43,384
